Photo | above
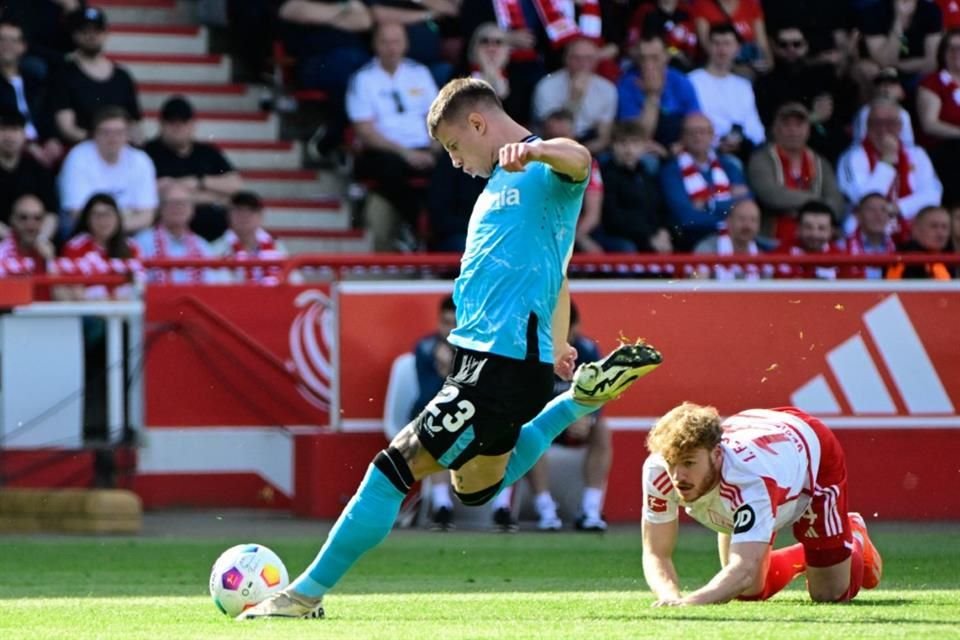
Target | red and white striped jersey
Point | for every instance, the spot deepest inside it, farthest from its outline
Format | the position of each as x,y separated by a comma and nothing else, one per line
767,477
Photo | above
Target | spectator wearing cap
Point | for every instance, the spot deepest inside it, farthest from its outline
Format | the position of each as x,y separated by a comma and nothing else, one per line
89,81
246,239
699,184
886,84
903,34
654,95
591,98
200,168
20,174
785,173
883,164
108,164
726,98
23,91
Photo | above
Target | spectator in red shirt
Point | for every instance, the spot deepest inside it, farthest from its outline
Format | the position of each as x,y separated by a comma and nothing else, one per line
746,16
26,242
951,13
815,226
98,237
938,113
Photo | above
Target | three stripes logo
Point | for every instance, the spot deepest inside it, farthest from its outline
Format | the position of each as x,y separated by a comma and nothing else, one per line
911,382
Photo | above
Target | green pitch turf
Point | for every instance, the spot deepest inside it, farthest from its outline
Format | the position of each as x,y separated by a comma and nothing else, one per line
422,585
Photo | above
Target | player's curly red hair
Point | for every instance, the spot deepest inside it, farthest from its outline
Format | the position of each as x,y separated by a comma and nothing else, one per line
683,429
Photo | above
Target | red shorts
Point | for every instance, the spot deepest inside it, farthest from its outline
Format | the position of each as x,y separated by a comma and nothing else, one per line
823,529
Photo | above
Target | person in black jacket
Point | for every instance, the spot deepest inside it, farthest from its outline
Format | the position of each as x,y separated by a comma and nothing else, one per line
634,218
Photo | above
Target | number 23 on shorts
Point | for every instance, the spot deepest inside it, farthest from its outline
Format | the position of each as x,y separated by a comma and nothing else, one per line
455,414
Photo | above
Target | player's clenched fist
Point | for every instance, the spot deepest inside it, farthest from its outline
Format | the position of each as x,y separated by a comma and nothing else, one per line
516,155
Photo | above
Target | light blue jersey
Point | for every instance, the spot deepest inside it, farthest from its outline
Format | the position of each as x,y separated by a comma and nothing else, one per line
519,241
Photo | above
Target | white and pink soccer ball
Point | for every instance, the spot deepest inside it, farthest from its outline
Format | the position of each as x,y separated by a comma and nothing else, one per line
245,575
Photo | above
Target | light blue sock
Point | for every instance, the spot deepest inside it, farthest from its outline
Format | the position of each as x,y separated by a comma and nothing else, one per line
363,524
537,435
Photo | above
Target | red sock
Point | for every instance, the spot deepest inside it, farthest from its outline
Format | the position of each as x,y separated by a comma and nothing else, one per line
785,565
856,572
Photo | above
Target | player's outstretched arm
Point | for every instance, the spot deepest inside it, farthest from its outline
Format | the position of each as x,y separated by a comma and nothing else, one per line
659,540
563,155
743,566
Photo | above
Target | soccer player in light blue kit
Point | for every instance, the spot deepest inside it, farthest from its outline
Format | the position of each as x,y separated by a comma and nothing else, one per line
488,424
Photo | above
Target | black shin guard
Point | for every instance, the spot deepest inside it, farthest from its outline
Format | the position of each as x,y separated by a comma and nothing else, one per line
391,463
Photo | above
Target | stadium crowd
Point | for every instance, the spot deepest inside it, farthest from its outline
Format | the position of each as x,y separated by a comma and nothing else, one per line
729,127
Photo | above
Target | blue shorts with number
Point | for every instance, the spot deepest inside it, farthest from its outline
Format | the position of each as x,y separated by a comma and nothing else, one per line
482,405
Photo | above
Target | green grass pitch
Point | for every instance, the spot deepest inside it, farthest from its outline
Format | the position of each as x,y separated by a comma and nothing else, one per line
422,585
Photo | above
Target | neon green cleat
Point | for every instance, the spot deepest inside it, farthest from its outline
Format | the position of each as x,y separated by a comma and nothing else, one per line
600,382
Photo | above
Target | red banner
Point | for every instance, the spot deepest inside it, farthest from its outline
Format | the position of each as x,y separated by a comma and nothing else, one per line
871,356
238,356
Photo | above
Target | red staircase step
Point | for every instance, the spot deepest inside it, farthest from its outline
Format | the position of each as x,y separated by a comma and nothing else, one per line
327,205
167,58
332,234
256,116
172,88
156,29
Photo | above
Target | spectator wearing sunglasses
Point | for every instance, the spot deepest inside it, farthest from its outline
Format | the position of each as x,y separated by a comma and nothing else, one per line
387,102
799,77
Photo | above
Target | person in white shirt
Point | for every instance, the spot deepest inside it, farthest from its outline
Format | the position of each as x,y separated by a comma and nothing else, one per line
883,164
387,102
108,164
592,99
172,238
727,99
746,478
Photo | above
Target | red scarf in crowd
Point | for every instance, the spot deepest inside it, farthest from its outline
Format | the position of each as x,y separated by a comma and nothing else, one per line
901,186
266,249
698,189
17,262
557,17
161,246
791,180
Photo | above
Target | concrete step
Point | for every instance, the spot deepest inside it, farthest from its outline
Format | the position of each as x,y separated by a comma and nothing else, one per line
281,154
216,97
148,11
287,184
183,69
213,126
152,38
297,242
294,214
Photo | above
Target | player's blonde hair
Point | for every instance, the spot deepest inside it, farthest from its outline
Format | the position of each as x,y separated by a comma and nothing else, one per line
684,428
457,96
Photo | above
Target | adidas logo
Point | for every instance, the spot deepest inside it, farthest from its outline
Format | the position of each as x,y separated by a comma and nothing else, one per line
911,381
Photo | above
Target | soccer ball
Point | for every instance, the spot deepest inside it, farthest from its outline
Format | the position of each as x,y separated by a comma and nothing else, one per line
245,575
